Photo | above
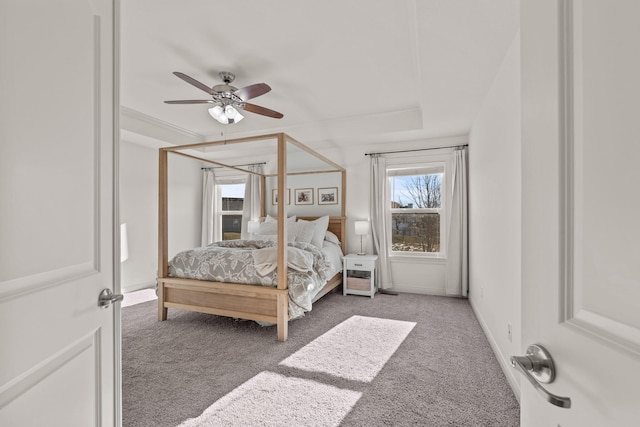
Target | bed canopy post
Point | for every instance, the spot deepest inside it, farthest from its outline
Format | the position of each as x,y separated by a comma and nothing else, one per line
163,229
283,295
343,202
343,210
263,194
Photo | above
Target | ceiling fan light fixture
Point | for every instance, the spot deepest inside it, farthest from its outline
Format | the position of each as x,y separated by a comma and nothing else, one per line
232,114
225,115
218,113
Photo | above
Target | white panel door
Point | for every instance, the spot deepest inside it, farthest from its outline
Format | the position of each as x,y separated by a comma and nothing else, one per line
57,140
581,204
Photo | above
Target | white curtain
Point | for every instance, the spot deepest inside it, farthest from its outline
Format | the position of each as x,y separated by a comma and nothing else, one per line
379,214
251,204
457,270
209,229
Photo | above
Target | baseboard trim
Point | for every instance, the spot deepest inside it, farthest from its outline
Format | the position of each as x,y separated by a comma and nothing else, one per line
138,287
416,289
502,361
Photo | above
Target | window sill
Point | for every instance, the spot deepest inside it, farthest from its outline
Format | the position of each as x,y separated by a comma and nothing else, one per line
418,259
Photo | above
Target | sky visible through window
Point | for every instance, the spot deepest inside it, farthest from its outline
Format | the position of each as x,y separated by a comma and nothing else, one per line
398,186
233,190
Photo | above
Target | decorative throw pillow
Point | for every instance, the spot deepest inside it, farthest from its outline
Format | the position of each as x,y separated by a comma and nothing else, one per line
305,231
321,225
271,229
267,228
269,218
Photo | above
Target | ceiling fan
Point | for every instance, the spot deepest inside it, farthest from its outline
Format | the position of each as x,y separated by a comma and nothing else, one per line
228,100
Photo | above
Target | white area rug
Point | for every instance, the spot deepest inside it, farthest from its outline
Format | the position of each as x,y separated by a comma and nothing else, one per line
356,349
270,399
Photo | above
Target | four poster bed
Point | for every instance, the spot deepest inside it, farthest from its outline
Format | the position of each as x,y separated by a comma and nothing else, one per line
271,298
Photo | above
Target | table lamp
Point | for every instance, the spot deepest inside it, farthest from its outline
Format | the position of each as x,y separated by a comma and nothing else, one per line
361,229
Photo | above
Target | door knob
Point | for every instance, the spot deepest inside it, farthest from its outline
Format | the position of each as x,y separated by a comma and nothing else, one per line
537,367
106,298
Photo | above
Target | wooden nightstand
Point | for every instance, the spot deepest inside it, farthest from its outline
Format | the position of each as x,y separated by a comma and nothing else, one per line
359,274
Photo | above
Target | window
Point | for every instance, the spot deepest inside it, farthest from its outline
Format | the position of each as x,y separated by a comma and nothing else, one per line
230,202
416,206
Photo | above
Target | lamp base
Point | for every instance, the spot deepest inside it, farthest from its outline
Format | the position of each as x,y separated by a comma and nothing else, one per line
362,252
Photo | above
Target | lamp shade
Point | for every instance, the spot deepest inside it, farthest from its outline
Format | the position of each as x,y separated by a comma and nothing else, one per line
361,227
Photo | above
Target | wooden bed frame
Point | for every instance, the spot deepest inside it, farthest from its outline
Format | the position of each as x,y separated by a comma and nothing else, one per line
254,302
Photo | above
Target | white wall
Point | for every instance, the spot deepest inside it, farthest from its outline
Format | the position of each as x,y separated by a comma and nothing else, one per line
495,212
185,204
139,210
313,181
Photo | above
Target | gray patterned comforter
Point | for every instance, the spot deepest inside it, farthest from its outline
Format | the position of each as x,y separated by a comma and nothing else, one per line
234,261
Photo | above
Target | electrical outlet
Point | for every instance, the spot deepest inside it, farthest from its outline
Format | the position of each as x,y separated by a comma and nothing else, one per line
509,334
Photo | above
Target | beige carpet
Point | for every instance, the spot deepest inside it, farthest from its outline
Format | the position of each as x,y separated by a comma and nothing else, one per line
406,360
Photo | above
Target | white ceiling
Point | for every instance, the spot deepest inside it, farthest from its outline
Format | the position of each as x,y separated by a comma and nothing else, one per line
340,70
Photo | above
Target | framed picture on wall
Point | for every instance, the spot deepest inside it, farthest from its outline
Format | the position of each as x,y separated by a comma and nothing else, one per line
328,196
274,196
304,196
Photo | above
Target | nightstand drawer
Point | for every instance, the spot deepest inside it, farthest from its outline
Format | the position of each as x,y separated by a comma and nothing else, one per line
359,284
357,264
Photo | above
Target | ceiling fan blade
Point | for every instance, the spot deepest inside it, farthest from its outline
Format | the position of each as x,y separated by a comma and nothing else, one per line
252,91
195,83
261,110
192,101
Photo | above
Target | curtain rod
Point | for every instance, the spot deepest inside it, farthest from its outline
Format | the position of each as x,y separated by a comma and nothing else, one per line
235,166
417,149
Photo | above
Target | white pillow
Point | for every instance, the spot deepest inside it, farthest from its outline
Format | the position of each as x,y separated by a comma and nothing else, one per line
305,231
330,237
271,229
267,228
267,237
321,225
269,218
